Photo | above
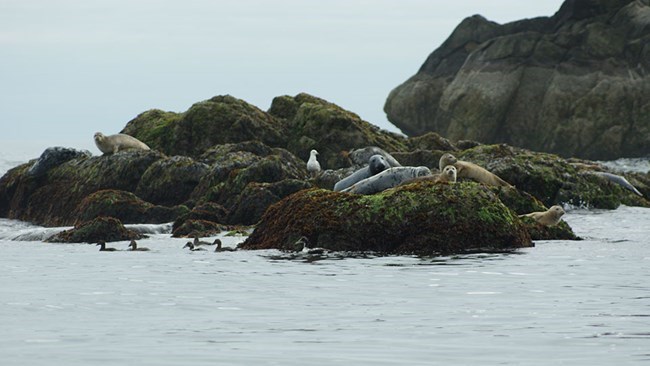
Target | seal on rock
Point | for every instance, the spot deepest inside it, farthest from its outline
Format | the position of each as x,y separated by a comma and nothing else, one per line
313,167
114,143
389,178
359,157
617,179
376,164
448,175
465,169
550,217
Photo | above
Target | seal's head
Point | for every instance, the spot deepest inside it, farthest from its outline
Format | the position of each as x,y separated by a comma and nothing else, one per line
377,164
422,171
450,172
99,136
446,159
557,211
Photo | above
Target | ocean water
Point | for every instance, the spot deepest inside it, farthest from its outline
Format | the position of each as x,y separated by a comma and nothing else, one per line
560,303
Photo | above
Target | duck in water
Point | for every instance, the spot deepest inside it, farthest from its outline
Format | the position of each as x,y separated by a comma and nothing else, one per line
190,245
103,248
219,248
134,247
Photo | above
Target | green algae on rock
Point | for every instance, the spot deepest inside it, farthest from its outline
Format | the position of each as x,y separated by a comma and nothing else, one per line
125,206
421,218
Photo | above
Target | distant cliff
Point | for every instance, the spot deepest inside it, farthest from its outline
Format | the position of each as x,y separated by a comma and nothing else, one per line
574,84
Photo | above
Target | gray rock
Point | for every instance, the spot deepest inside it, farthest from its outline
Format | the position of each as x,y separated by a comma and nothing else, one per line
53,157
574,84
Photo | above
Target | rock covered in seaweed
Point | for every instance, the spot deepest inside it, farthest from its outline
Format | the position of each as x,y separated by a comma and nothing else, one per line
421,218
100,228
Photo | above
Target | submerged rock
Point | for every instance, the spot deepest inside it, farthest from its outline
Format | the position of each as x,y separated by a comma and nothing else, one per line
95,230
421,218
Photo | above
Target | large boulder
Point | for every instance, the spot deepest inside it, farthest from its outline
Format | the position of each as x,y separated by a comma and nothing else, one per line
574,84
314,123
422,218
126,207
98,229
219,120
52,200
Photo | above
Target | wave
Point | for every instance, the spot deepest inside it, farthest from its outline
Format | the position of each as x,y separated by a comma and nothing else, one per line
15,230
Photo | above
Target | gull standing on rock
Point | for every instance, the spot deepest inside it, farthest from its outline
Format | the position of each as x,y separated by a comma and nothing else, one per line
313,167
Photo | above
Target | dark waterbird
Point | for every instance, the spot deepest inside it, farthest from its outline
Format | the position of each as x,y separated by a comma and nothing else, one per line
103,248
134,247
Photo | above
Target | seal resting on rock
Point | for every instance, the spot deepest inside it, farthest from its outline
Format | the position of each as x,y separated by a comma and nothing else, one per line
361,156
620,180
550,217
389,178
118,142
376,164
313,166
448,175
465,169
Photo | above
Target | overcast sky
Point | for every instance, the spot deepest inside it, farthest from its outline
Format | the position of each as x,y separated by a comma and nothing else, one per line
70,68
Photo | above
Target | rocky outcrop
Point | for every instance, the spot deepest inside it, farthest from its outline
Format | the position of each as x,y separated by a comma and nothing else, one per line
232,184
421,218
574,84
99,229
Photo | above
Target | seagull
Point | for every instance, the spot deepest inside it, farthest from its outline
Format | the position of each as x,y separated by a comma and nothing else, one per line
313,167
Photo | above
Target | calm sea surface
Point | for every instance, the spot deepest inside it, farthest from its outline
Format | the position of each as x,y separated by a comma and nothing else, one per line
559,303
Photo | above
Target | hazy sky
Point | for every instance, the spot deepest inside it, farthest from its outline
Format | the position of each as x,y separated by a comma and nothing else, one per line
70,68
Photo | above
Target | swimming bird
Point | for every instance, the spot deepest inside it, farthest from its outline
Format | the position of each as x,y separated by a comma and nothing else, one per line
103,248
304,246
192,247
198,242
313,166
134,247
219,248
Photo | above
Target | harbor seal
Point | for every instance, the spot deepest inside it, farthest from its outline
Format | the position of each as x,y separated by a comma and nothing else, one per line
114,143
465,169
389,178
550,217
360,157
448,175
313,166
620,180
376,164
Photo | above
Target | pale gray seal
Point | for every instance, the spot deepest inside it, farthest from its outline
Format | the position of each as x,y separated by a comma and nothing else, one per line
360,157
134,247
389,178
618,180
376,164
550,217
465,169
118,142
313,166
